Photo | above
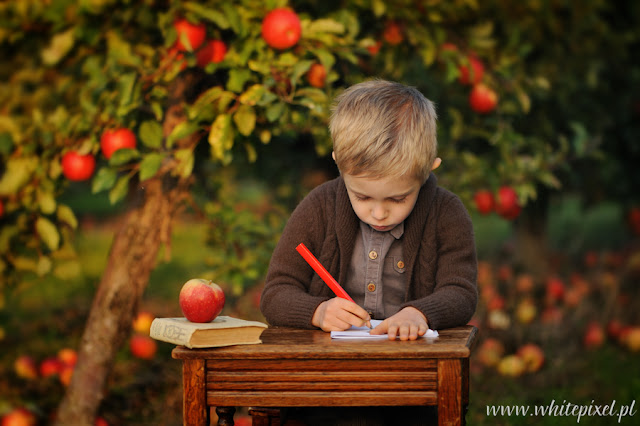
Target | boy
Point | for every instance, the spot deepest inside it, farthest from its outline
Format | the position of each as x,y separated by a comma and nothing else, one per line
402,247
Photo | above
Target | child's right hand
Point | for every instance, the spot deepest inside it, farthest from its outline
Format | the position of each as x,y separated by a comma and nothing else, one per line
339,314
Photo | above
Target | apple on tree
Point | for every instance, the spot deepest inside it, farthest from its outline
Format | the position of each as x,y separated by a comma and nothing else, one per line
507,203
193,34
392,33
317,75
473,73
201,300
213,51
484,201
19,417
483,99
281,28
115,139
78,167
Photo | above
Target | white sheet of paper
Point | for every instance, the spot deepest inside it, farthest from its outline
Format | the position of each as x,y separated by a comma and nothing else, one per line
363,333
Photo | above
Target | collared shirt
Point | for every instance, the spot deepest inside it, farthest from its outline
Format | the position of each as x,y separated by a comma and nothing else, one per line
376,274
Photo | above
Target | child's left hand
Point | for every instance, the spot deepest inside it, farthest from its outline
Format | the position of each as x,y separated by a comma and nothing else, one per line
408,324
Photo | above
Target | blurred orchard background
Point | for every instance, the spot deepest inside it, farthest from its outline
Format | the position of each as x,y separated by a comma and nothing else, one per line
144,143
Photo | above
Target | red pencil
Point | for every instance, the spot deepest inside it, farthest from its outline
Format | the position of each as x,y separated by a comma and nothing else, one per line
320,270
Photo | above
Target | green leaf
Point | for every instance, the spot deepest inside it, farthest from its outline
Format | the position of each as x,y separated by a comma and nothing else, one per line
274,111
48,233
66,215
253,94
186,161
151,134
119,191
43,267
221,137
104,178
59,46
237,79
245,119
46,201
17,173
204,101
379,8
325,57
150,165
123,156
324,26
212,15
299,69
182,130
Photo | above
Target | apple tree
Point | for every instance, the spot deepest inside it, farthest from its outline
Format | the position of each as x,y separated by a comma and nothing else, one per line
139,99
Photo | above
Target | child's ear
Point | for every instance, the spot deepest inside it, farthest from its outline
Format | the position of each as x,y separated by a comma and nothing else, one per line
436,163
333,155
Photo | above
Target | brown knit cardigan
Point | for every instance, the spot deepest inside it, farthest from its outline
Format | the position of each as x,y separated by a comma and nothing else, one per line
439,251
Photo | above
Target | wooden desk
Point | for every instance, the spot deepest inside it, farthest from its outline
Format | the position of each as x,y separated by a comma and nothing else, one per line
306,368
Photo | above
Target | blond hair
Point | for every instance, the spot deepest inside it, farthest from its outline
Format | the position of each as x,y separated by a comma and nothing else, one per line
384,129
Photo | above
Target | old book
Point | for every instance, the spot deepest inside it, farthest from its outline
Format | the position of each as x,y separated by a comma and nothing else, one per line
222,331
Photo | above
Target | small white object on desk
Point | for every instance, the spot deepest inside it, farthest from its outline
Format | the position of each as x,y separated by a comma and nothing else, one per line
364,333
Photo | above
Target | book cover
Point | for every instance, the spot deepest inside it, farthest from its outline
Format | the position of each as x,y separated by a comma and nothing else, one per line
222,331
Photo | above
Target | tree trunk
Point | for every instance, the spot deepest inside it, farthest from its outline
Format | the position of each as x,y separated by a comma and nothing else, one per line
132,257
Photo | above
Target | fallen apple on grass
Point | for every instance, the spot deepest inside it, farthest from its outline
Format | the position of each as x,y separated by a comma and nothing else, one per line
201,300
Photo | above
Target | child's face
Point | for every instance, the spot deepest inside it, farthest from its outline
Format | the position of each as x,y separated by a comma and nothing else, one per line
382,203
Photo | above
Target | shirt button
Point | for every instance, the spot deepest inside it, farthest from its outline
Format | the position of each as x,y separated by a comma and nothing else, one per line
373,255
371,287
400,264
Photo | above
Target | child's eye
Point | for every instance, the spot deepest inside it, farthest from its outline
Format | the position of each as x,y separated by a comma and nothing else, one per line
398,200
361,198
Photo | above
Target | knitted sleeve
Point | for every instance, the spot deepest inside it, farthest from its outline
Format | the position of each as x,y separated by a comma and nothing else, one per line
287,298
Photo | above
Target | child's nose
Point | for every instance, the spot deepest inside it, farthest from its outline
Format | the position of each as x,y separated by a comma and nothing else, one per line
379,212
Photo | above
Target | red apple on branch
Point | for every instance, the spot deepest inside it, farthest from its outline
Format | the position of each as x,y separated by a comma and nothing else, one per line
392,33
213,51
281,28
19,417
78,167
471,74
194,34
483,99
317,75
484,200
26,367
115,139
201,300
507,203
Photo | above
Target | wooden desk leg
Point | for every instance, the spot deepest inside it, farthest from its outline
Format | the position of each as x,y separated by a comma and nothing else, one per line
225,415
450,411
194,404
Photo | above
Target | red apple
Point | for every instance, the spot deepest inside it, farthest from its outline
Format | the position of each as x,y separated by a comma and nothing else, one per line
142,322
392,33
511,366
484,201
201,300
525,283
556,289
26,367
19,417
507,203
281,28
193,34
594,335
475,75
532,356
213,51
1,208
115,139
78,167
495,303
483,99
143,347
317,75
374,48
50,366
100,421
68,356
